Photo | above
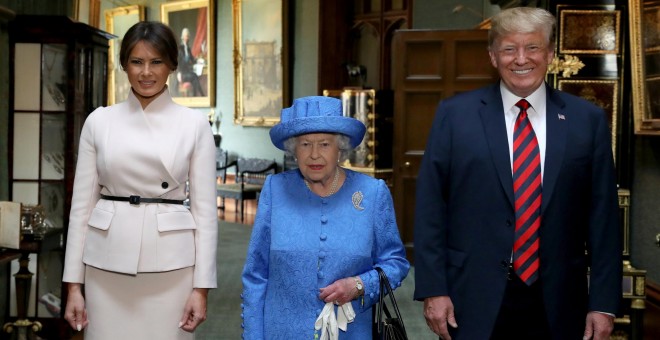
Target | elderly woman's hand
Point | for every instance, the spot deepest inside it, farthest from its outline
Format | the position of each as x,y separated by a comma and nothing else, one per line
340,291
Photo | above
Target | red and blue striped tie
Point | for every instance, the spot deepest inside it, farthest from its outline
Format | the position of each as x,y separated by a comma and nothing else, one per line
527,192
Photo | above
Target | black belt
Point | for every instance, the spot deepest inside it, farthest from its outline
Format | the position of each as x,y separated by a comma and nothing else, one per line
134,199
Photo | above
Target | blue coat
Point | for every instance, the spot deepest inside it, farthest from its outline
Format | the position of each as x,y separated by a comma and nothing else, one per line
464,219
302,242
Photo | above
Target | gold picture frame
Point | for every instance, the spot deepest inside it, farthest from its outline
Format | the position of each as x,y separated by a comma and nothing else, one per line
604,93
590,31
645,65
261,80
193,22
118,21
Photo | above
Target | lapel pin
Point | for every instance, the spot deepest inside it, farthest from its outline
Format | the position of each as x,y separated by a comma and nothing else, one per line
561,116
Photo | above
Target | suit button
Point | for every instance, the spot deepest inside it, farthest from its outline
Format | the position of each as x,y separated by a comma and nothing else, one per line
505,264
164,185
509,223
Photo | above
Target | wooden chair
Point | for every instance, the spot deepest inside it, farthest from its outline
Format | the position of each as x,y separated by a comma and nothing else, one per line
250,177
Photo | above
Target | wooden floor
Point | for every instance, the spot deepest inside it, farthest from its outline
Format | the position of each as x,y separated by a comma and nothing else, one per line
230,213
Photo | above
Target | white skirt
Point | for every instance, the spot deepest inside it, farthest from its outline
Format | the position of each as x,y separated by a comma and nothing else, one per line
142,306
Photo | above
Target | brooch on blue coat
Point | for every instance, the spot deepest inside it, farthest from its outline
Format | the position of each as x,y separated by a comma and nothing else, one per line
357,200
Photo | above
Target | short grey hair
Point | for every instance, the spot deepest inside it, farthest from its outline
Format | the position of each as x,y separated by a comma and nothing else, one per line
343,143
522,20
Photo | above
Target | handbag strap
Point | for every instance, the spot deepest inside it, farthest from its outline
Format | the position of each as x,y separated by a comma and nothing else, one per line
386,288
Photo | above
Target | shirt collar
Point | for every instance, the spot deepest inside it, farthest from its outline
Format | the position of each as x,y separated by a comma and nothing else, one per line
536,99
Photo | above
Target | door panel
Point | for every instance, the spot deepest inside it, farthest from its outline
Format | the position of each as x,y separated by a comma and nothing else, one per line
429,65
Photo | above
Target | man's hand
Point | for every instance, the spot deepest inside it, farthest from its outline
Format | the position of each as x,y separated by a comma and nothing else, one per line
439,311
599,326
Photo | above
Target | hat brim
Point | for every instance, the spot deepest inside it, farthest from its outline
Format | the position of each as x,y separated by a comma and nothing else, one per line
350,127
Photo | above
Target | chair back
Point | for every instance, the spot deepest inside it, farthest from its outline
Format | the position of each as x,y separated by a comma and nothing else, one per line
255,170
221,159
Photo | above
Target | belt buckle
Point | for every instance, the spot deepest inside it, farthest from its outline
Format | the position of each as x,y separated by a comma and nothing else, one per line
134,199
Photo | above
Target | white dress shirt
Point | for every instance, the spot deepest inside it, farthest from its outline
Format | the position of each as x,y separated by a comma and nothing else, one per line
536,114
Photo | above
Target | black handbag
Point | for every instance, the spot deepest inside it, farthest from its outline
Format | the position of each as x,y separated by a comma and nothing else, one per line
385,326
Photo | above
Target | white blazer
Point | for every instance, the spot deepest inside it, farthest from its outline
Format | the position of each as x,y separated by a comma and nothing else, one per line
125,150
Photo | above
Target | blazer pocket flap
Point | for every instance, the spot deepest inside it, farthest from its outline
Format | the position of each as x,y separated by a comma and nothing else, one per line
100,219
175,220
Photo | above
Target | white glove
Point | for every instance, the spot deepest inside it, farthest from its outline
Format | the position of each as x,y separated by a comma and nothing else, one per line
328,323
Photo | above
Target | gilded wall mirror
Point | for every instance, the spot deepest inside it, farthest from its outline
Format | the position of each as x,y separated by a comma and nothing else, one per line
645,65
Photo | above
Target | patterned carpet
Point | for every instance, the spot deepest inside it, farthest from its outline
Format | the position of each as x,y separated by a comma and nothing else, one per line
224,309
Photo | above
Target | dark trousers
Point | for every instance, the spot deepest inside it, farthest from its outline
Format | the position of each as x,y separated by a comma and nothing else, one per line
522,315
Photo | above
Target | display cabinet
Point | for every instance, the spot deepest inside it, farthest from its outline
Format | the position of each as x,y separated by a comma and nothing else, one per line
373,108
58,75
630,324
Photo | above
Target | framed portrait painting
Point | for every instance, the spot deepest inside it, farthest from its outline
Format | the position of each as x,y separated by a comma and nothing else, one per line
193,83
260,61
118,21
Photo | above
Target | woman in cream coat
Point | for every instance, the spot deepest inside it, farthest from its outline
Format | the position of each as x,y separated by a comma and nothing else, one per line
146,261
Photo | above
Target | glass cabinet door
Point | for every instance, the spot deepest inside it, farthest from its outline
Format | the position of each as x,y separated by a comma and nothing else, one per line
54,80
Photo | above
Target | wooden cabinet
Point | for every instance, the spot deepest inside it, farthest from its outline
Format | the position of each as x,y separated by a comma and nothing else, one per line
358,33
58,76
630,323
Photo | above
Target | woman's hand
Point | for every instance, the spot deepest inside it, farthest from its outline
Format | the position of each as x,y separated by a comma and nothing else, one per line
75,312
340,291
195,311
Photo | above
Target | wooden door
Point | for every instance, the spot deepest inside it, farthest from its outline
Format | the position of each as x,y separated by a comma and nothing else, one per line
429,65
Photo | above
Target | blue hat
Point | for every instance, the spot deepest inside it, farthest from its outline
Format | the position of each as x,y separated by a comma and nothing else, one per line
316,114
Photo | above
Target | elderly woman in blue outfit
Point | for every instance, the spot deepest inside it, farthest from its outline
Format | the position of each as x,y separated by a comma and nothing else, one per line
319,232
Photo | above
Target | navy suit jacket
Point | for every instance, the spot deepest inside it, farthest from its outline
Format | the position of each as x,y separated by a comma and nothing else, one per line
464,218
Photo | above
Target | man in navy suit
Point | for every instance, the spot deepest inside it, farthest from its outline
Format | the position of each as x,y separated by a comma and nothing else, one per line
516,223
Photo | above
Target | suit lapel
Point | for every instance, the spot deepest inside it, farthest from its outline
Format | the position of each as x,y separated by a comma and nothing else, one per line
163,149
494,126
555,144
